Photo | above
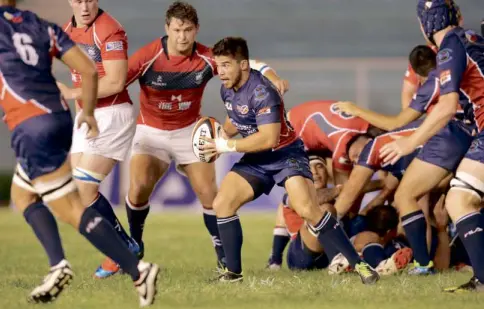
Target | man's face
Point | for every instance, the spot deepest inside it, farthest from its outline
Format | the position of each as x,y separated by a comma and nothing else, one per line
181,35
320,174
85,11
230,70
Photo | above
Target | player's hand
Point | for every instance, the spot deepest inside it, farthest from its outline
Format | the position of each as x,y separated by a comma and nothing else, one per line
90,121
347,107
68,93
392,152
216,146
282,85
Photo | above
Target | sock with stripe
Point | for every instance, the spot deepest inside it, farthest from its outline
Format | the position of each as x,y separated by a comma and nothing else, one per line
471,231
415,228
210,221
231,236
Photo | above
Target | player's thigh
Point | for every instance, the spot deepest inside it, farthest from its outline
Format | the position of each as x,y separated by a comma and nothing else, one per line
309,240
302,196
467,188
144,172
235,190
21,197
203,181
419,178
365,238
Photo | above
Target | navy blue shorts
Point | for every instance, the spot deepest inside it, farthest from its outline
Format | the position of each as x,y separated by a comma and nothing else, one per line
42,143
264,170
476,150
301,258
447,148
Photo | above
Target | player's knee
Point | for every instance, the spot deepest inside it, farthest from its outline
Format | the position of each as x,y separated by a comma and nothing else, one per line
403,196
364,238
206,194
306,209
465,189
224,205
88,183
22,200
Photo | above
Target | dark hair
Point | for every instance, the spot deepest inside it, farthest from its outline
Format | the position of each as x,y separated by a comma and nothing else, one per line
236,47
183,11
380,219
422,59
324,153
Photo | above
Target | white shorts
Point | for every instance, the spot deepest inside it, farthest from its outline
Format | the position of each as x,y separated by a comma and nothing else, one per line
174,145
116,129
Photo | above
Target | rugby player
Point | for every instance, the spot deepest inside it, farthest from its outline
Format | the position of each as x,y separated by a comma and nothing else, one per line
42,126
460,63
273,154
172,72
105,42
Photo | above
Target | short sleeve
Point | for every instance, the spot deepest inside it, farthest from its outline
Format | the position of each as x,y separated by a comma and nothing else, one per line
115,46
60,41
267,105
451,64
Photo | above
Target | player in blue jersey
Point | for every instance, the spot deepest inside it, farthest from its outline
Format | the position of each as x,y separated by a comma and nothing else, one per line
273,155
460,65
41,126
435,163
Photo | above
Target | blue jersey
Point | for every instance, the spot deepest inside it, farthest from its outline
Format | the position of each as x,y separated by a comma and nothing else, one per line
257,103
27,46
460,64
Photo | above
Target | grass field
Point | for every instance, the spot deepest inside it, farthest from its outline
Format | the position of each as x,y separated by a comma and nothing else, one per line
181,245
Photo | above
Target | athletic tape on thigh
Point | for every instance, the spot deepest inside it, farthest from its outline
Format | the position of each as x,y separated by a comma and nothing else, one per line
87,176
55,189
466,182
21,179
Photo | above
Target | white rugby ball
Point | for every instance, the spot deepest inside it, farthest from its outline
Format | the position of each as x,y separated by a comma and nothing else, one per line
207,127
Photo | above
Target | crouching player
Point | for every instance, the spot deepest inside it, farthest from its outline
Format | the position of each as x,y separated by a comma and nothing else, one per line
273,155
42,126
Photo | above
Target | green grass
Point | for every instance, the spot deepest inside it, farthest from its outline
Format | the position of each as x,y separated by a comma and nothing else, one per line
180,244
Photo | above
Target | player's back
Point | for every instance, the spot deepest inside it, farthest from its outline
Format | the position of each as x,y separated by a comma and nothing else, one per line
320,125
27,46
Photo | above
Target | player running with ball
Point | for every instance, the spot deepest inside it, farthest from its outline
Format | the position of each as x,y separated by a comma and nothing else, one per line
273,155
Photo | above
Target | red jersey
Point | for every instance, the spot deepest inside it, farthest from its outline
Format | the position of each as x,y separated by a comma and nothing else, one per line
171,87
104,39
321,127
293,221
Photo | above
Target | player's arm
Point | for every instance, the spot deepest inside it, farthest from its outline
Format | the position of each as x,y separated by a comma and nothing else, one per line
141,60
409,87
359,177
390,184
385,122
341,177
267,138
327,195
281,84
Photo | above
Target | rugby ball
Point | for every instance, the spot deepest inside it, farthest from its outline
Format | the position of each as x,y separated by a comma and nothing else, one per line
206,127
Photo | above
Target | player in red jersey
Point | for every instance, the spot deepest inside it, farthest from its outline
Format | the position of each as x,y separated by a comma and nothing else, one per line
105,42
460,65
42,127
173,72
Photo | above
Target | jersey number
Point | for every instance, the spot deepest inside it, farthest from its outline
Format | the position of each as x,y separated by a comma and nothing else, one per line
27,52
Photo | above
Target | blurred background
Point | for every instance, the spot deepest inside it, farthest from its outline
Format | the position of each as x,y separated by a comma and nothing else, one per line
327,49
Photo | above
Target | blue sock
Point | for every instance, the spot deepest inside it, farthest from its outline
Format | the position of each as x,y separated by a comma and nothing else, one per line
329,230
45,228
102,235
373,254
415,228
471,232
136,217
102,206
210,221
279,243
329,248
231,236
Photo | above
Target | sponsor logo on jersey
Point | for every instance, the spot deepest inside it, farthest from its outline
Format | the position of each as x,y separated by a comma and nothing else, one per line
113,46
444,55
243,109
445,77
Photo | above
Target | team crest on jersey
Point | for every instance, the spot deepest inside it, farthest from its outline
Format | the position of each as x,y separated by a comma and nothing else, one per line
15,18
444,55
112,46
260,93
199,78
243,109
471,36
445,77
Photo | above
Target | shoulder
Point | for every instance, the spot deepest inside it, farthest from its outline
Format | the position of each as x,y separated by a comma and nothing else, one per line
107,25
261,89
204,50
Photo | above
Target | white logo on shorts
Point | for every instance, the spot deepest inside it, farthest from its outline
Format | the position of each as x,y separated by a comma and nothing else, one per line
92,224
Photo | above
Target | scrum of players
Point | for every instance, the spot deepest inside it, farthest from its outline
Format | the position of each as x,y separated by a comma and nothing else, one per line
326,154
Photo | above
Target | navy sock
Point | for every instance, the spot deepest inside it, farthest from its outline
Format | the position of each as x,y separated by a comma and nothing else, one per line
102,206
210,221
373,254
279,243
136,217
329,230
45,228
471,232
415,228
329,248
102,235
231,236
